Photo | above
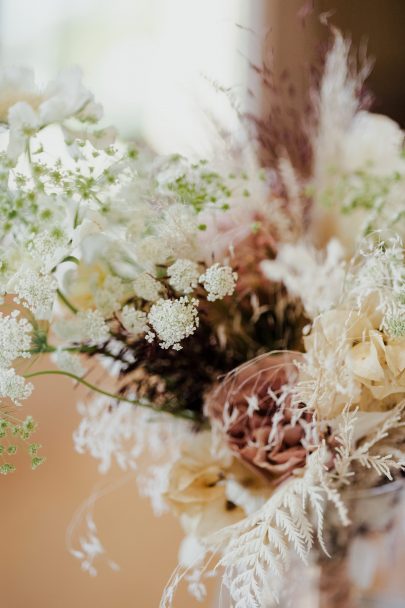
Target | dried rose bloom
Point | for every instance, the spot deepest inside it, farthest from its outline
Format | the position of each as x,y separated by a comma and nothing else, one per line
252,407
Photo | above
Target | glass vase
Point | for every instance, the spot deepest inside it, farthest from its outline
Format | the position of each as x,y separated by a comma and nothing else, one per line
367,558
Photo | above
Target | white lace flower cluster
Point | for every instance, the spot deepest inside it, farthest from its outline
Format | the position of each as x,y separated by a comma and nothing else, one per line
172,321
184,275
219,281
15,343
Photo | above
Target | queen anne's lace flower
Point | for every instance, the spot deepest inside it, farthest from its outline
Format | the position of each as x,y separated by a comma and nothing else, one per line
35,291
173,320
219,281
15,338
13,386
146,287
108,297
183,275
133,320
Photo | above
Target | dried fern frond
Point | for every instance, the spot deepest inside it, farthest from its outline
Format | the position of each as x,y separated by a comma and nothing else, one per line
256,552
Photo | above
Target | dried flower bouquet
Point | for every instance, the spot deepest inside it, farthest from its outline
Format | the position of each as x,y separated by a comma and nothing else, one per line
254,316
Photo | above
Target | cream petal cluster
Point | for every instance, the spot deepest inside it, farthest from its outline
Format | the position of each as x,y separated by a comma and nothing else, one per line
198,490
26,108
349,361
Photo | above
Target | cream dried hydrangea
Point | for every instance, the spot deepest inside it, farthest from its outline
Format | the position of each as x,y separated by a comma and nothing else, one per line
133,320
172,321
219,281
183,275
349,361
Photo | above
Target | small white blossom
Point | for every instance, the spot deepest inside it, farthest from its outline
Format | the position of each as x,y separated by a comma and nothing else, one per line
68,362
35,291
24,123
48,249
219,281
316,277
86,326
15,338
183,275
13,386
173,320
108,297
146,287
133,320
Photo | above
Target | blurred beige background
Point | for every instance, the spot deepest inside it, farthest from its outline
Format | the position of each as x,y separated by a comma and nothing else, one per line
143,59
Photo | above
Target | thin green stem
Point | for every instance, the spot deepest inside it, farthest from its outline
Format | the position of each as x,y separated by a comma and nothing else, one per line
187,415
64,299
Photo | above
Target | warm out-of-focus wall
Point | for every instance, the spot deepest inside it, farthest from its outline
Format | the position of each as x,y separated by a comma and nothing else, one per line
36,508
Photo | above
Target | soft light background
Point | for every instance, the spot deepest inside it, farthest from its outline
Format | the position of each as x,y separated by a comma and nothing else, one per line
148,61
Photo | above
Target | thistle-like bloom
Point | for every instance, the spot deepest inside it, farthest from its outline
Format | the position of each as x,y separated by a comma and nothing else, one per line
252,408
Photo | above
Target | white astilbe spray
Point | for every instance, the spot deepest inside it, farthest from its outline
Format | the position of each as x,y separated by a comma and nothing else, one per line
349,450
109,432
314,277
219,281
380,269
173,320
337,105
256,552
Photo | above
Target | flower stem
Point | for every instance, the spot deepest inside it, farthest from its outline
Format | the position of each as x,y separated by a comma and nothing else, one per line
64,299
186,414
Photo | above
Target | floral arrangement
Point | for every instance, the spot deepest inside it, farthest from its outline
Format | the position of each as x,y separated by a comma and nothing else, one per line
252,315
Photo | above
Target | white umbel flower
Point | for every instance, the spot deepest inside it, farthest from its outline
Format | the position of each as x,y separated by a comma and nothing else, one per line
219,281
146,287
183,275
108,297
13,386
173,320
15,339
35,291
133,320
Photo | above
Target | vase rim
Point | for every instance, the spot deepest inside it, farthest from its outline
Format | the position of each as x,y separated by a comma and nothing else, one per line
387,488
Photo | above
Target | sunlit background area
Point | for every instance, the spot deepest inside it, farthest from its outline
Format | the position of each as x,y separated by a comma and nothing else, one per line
166,72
